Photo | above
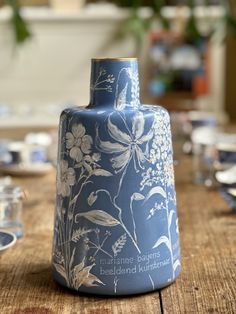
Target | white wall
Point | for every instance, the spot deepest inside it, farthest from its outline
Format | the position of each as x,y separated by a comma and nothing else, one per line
53,68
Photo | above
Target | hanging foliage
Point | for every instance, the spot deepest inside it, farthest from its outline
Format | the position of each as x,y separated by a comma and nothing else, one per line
138,26
21,29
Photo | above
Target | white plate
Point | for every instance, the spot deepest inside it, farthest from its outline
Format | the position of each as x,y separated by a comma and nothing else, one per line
36,169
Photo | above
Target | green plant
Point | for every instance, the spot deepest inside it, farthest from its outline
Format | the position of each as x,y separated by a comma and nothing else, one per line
138,26
21,29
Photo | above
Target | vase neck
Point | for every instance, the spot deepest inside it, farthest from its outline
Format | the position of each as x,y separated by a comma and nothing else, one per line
114,83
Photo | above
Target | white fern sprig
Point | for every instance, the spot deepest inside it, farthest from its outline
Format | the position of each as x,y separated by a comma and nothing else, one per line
119,244
77,234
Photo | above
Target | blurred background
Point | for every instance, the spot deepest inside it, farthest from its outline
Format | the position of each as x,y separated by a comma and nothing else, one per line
186,50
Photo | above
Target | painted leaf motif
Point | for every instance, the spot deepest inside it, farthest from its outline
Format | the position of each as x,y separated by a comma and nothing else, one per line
156,190
92,198
138,125
87,167
91,281
138,196
102,172
119,244
61,270
110,148
99,217
119,162
72,258
80,273
140,154
170,217
81,276
176,264
163,240
58,257
117,134
146,138
76,270
79,233
120,101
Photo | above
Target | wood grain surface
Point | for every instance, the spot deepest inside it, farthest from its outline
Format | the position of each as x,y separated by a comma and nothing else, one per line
208,243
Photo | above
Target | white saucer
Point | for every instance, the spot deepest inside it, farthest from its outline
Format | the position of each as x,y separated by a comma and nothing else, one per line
227,176
232,192
7,240
34,169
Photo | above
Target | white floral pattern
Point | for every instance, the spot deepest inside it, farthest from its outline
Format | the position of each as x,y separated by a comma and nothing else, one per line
65,179
101,81
127,146
78,142
137,144
162,175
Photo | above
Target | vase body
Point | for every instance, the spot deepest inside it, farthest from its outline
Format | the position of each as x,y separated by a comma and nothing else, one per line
116,230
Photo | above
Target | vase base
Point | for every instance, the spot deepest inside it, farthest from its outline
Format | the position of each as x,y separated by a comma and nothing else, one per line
111,293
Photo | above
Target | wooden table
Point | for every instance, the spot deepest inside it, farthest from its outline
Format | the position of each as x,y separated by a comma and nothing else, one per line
207,283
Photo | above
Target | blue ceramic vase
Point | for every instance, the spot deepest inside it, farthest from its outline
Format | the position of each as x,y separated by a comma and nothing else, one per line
116,229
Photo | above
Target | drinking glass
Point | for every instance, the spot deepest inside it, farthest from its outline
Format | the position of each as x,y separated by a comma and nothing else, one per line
11,209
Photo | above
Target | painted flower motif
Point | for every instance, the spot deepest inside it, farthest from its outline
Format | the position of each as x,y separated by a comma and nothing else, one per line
102,78
161,144
79,275
78,142
127,145
169,173
110,78
65,178
90,164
